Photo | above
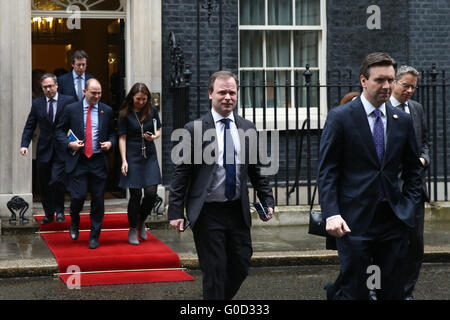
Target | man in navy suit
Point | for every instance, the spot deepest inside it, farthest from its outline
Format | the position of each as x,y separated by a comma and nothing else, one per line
73,83
404,87
87,165
45,112
364,147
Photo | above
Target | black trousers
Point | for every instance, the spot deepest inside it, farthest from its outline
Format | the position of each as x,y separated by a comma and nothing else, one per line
224,248
384,247
89,175
51,183
140,207
414,258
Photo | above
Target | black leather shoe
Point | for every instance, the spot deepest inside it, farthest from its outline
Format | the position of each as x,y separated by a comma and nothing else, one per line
60,217
73,230
409,297
93,243
46,220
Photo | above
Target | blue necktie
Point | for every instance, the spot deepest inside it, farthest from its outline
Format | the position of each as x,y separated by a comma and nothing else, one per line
378,138
229,161
50,110
402,106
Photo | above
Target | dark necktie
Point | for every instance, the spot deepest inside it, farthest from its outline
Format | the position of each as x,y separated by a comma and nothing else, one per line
88,137
229,161
50,110
402,106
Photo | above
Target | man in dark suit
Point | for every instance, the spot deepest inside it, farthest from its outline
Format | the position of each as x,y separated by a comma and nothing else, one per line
364,146
215,192
45,112
404,87
73,83
86,159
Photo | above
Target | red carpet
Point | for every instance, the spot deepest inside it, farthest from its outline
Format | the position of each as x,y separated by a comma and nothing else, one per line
131,263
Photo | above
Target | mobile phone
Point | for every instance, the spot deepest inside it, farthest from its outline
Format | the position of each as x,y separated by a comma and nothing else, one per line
260,210
186,224
149,133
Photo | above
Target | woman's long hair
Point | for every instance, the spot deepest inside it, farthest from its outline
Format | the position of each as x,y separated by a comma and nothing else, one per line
128,103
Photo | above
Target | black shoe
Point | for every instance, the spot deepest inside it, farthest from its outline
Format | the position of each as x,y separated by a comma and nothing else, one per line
73,230
46,220
60,217
410,297
93,243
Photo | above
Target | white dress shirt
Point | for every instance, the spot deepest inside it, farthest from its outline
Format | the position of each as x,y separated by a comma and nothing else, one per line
216,192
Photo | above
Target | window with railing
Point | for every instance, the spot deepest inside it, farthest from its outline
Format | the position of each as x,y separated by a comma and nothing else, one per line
278,38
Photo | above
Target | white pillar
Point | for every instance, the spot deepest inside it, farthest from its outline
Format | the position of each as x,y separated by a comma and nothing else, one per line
15,101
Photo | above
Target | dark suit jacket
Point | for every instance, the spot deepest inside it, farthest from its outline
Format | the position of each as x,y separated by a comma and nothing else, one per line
47,144
190,182
350,174
73,119
420,128
66,85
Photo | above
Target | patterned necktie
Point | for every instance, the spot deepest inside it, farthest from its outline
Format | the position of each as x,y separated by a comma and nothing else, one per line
50,110
88,137
229,161
378,134
378,138
79,89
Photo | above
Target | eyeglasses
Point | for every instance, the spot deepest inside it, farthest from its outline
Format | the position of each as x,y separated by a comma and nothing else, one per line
409,86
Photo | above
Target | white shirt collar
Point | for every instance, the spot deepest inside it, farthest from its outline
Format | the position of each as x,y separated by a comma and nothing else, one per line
86,104
396,103
218,117
368,107
75,75
54,98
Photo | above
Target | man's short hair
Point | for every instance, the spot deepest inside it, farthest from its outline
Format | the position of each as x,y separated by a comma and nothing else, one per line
222,75
79,54
376,59
49,75
402,70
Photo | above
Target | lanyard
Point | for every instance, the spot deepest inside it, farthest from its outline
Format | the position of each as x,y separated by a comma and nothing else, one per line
143,148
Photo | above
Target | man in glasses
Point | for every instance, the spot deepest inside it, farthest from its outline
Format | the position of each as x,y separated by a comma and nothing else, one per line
404,86
45,113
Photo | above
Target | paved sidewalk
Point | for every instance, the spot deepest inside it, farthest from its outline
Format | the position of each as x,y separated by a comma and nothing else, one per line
284,241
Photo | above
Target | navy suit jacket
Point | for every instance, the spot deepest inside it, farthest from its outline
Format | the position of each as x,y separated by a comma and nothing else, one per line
420,128
47,144
73,119
190,182
66,85
350,173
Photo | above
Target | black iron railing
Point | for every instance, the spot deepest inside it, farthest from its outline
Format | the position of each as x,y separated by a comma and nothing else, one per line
298,111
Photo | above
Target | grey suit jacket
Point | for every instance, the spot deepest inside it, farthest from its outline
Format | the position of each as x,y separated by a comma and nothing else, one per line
421,131
191,181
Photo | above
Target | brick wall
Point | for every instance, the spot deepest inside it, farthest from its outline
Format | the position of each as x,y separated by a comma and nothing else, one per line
180,17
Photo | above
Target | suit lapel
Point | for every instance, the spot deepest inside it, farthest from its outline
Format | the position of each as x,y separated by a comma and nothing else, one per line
59,108
390,124
359,119
100,115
